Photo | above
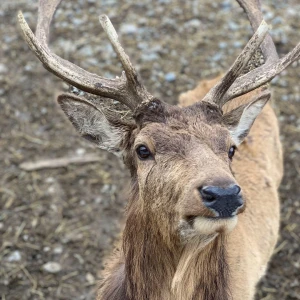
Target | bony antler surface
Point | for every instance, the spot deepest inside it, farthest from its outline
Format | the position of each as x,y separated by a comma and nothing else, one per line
125,89
259,76
216,94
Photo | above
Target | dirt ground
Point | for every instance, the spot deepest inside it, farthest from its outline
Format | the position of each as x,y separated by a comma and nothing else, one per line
56,225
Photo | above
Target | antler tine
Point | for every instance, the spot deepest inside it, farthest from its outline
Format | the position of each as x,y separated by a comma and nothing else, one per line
216,94
233,86
255,16
261,75
46,11
129,69
126,89
273,65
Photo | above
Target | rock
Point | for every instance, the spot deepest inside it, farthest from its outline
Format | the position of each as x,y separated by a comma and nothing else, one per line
237,44
285,98
52,267
223,45
226,5
58,249
3,69
14,256
128,29
194,23
80,151
233,26
217,57
90,278
77,21
170,77
87,50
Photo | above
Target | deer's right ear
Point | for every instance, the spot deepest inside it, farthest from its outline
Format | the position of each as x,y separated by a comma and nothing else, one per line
99,127
240,120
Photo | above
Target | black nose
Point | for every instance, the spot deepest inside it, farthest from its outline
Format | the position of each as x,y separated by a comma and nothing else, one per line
223,201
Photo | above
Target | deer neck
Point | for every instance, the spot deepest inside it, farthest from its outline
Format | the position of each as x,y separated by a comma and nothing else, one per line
159,267
150,259
202,272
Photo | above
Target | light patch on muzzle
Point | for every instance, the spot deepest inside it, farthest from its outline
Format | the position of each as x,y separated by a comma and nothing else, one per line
210,225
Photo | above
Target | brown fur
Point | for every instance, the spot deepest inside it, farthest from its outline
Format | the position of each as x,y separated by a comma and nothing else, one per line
159,261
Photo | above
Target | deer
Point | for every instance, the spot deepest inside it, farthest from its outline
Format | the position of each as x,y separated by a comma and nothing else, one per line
202,219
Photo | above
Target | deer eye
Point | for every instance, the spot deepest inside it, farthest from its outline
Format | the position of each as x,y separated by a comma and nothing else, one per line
231,152
143,152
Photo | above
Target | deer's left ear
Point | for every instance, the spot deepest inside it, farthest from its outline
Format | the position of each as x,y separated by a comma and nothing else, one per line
240,120
102,127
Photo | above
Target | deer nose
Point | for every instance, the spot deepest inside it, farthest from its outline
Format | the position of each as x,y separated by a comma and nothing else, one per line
223,201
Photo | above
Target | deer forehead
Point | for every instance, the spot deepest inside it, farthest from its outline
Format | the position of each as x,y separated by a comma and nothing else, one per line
184,138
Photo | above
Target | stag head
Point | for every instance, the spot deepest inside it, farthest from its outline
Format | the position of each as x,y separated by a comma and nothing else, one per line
179,158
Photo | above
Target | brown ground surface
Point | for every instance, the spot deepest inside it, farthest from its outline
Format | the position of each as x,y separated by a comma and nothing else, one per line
71,215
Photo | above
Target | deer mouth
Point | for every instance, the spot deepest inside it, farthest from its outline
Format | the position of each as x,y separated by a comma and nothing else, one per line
210,225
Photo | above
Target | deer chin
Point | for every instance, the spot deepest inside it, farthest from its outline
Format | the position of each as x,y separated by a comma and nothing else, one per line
205,227
209,226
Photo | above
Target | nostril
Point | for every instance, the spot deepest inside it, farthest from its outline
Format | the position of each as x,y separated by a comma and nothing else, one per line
208,193
236,189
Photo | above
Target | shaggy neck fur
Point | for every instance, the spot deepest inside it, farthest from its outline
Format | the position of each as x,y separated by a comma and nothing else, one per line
154,266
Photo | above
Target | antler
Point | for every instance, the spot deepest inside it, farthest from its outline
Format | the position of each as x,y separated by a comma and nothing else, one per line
127,89
255,16
231,85
218,91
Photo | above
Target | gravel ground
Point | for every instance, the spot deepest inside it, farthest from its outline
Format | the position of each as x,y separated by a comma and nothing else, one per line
56,225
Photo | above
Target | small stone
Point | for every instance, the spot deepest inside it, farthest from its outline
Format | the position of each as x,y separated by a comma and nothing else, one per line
52,267
295,64
3,69
285,98
233,26
80,151
43,110
237,44
226,5
86,50
58,249
170,77
223,45
50,180
90,278
277,20
98,200
217,57
14,256
128,29
194,23
105,188
149,56
77,21
294,283
297,147
28,67
25,237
